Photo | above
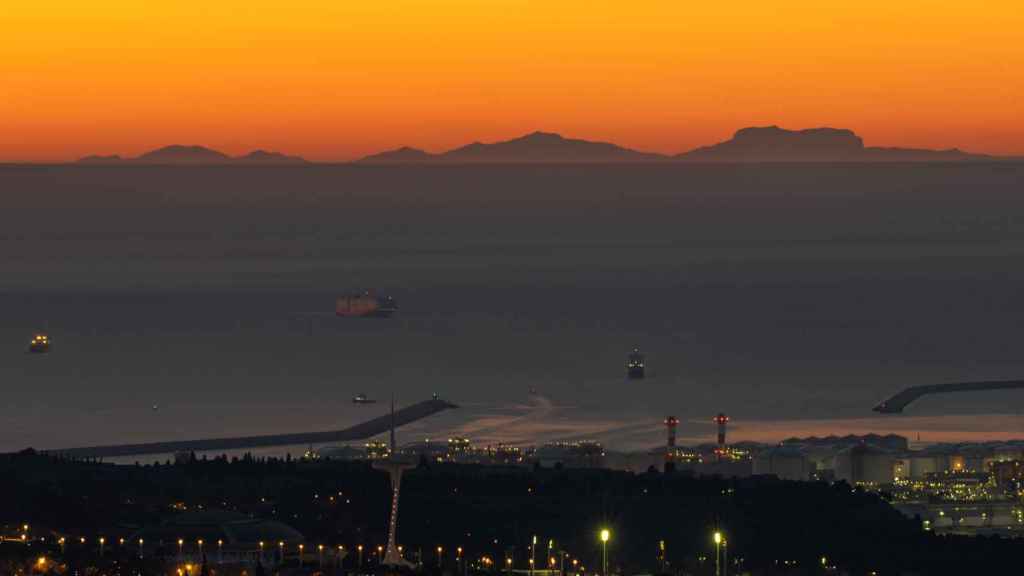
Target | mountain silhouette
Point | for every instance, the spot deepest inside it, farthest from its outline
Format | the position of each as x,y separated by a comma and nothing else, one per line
177,154
403,155
546,147
194,155
265,157
98,159
754,144
774,144
533,148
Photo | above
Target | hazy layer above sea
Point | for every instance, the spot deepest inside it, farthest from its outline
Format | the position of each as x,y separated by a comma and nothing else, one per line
784,295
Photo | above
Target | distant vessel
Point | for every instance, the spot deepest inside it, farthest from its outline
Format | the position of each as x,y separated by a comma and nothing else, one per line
635,364
362,399
365,304
39,344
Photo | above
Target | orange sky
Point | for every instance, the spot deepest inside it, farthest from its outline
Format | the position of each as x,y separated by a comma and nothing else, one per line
336,79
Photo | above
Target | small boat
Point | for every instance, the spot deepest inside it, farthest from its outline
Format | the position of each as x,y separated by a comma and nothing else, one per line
40,344
362,399
365,305
635,365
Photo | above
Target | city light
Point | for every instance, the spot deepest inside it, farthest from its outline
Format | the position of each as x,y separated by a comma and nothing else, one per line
718,538
606,535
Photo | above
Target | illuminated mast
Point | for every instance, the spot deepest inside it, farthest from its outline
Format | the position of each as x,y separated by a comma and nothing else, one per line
394,466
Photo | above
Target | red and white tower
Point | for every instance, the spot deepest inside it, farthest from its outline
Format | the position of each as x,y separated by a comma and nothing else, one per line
721,420
670,425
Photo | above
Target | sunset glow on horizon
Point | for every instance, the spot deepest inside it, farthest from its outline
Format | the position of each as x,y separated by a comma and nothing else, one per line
335,80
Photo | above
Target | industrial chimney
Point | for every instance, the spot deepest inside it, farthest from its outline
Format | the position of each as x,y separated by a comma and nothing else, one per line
670,424
721,420
670,447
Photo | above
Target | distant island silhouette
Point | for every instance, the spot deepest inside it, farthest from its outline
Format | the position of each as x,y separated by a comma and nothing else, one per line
533,148
194,155
774,144
754,144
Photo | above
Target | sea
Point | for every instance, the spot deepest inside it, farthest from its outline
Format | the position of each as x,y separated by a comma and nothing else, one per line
198,301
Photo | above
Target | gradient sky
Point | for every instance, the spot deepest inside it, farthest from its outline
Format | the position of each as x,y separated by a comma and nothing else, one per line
336,79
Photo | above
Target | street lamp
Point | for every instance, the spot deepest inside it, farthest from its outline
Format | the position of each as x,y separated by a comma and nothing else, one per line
439,551
380,554
200,542
718,546
181,543
533,553
360,549
220,551
141,542
320,554
102,542
605,536
301,547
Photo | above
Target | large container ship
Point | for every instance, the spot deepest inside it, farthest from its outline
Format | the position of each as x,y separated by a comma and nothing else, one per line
365,304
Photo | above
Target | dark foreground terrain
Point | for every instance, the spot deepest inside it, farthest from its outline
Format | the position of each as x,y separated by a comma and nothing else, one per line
772,527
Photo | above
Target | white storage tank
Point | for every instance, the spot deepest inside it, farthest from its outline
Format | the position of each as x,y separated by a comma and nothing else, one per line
865,464
784,462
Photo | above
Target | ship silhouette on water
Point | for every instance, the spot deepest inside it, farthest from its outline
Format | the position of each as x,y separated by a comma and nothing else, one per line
365,305
362,399
40,344
635,365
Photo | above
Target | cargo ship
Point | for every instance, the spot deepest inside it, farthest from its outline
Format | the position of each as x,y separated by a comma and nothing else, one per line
635,364
365,305
362,399
39,344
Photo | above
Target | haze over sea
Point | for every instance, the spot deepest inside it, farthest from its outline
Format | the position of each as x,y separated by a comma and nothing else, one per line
792,297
